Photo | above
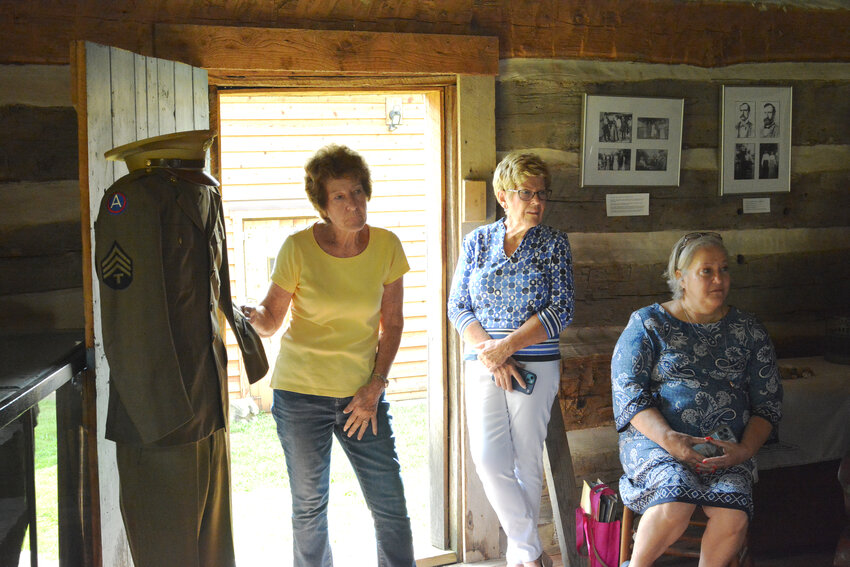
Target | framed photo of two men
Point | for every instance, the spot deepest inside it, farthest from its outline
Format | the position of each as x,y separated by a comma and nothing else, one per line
755,140
631,140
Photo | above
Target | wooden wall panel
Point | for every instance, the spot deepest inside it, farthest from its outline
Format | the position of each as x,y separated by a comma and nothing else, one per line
123,96
802,286
816,200
229,49
585,393
38,143
789,266
41,239
140,107
41,273
551,106
17,210
39,311
40,248
165,115
184,108
150,94
35,85
656,31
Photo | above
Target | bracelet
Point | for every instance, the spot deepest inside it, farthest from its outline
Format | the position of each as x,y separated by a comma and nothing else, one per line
382,377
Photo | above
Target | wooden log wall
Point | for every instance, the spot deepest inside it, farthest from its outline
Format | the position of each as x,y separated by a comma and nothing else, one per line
40,246
790,266
707,34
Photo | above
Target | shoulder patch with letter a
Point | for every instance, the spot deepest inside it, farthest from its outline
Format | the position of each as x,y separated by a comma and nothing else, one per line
116,268
116,203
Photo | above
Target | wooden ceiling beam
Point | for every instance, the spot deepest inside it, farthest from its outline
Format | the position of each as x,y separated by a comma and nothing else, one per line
704,34
232,49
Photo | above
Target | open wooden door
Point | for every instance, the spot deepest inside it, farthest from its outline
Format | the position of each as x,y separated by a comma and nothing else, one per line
120,97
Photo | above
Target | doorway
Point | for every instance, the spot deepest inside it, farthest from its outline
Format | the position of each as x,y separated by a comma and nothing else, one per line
266,137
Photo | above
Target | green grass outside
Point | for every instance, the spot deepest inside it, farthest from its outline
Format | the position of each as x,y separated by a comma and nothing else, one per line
261,490
46,491
261,487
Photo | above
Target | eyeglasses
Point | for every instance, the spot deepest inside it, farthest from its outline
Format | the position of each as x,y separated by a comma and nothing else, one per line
526,195
691,236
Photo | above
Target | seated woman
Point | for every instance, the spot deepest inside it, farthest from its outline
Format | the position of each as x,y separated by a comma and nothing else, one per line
681,371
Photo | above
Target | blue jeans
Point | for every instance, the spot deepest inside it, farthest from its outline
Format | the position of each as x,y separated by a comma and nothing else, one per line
306,425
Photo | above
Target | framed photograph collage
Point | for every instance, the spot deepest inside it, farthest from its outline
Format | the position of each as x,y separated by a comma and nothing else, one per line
755,140
631,140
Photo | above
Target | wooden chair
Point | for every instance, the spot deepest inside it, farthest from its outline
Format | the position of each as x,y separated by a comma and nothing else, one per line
687,545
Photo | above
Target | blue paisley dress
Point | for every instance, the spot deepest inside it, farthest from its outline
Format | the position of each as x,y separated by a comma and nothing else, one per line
699,377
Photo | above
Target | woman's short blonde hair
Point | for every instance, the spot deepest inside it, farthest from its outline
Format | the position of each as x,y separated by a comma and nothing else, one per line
683,254
515,168
333,162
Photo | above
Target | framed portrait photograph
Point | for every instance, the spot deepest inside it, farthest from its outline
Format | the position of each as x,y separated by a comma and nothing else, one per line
755,147
631,140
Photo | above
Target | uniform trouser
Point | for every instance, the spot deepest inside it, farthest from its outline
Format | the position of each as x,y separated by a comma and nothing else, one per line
506,435
176,503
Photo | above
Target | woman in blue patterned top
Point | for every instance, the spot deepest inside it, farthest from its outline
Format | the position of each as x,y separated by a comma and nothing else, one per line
681,371
511,297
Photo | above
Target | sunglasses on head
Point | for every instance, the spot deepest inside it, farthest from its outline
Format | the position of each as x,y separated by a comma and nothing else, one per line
690,237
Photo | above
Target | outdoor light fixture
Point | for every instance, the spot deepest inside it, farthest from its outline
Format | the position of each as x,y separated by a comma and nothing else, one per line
393,110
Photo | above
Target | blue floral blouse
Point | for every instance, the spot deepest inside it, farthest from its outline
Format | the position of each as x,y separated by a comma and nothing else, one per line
502,292
699,377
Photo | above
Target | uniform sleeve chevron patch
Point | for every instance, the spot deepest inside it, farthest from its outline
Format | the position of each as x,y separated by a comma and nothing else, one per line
116,268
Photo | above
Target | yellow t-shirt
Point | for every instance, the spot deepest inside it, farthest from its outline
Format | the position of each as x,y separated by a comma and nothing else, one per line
329,347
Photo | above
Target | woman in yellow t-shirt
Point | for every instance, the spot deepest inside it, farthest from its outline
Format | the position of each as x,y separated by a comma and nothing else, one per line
342,280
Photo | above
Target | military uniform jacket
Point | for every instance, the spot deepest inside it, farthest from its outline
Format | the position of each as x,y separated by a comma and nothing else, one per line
161,259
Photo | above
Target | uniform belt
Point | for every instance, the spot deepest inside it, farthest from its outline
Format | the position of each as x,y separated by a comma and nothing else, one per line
176,163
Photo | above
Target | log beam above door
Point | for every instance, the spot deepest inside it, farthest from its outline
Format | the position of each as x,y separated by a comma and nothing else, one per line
228,50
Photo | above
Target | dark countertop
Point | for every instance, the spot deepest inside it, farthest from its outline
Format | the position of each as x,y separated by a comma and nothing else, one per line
32,366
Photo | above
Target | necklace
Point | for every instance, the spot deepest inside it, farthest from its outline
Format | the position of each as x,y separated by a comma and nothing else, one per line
688,316
706,340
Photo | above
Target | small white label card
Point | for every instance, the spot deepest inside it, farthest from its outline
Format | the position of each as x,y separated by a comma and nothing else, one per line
627,204
757,205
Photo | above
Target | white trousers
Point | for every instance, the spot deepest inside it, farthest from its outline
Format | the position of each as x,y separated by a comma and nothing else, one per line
506,435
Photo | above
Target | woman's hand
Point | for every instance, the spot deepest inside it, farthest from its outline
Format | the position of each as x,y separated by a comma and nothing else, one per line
755,434
733,454
493,353
363,409
681,447
250,313
651,423
502,375
267,317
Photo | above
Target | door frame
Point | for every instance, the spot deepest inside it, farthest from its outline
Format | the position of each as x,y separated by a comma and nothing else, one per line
437,124
440,124
470,154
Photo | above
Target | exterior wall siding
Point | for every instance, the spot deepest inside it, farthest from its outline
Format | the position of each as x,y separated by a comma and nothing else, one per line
266,140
